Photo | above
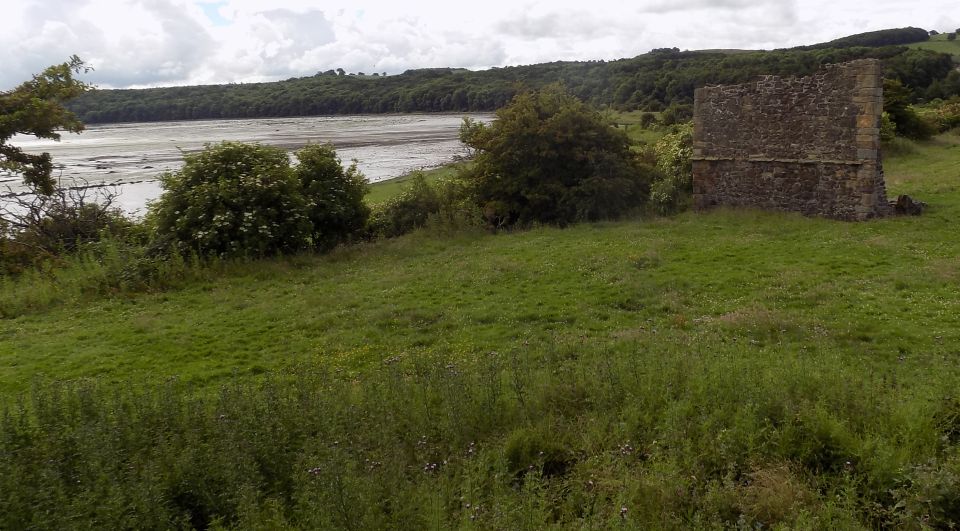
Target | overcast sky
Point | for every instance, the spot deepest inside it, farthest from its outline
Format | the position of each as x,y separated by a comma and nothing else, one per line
135,43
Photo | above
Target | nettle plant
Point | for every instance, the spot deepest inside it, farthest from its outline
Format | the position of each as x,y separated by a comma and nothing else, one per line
235,199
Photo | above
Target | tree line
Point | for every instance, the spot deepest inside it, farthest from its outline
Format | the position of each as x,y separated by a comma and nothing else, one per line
653,82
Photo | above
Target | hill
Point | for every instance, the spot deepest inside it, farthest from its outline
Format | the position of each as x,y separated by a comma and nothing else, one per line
653,81
887,37
712,369
940,44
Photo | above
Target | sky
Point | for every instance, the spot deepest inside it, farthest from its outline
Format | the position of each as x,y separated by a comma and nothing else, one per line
142,43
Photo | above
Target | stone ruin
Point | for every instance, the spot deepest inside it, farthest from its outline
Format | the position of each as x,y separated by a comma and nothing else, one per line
809,145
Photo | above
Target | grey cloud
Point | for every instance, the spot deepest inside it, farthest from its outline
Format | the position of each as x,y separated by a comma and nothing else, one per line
671,6
183,46
308,29
285,38
54,30
579,24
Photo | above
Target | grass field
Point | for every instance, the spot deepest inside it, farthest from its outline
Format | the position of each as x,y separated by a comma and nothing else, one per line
725,368
939,43
383,190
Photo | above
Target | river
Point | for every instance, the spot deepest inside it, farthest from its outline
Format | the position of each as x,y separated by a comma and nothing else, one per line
132,155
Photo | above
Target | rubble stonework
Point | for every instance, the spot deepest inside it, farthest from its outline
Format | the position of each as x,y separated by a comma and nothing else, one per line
810,145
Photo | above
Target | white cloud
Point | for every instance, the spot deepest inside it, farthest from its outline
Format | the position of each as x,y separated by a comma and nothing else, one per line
164,42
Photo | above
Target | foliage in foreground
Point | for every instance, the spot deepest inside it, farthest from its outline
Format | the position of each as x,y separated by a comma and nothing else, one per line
37,230
235,199
691,434
550,158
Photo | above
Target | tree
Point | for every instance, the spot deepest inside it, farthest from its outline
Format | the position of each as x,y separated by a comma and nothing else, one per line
896,103
334,195
952,36
548,157
36,108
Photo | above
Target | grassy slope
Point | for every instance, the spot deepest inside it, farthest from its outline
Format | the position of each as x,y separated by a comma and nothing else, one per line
939,43
383,190
872,291
721,368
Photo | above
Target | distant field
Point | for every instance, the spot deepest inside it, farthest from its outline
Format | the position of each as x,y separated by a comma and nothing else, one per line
383,190
939,43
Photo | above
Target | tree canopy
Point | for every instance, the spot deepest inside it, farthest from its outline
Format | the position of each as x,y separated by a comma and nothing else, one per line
36,108
652,82
550,158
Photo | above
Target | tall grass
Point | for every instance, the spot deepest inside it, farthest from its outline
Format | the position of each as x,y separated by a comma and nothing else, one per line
725,369
693,434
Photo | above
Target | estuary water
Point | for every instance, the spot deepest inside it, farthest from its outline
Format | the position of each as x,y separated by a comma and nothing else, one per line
130,156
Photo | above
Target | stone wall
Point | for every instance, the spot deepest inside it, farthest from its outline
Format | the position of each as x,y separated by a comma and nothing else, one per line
810,145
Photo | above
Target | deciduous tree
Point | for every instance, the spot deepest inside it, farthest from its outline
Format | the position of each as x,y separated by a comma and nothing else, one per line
548,157
36,108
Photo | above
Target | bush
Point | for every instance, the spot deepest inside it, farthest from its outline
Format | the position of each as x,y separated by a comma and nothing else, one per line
334,195
677,113
407,211
36,229
550,158
887,128
896,103
235,199
448,202
944,114
647,119
674,185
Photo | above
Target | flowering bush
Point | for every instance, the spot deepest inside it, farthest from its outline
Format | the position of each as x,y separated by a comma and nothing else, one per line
945,114
673,152
240,199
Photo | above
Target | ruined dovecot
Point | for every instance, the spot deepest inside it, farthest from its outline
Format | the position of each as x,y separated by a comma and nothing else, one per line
810,144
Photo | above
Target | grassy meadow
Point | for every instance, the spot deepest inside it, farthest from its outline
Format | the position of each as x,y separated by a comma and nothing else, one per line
939,43
730,368
383,190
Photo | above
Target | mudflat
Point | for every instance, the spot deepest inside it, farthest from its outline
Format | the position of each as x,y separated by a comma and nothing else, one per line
133,155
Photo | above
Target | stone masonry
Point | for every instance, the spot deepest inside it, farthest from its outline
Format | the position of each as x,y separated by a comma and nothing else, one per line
810,145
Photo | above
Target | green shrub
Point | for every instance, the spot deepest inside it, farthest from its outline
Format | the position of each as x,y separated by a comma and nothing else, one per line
677,113
929,496
235,199
38,229
448,203
407,211
647,119
944,114
908,122
888,130
334,195
671,189
550,158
